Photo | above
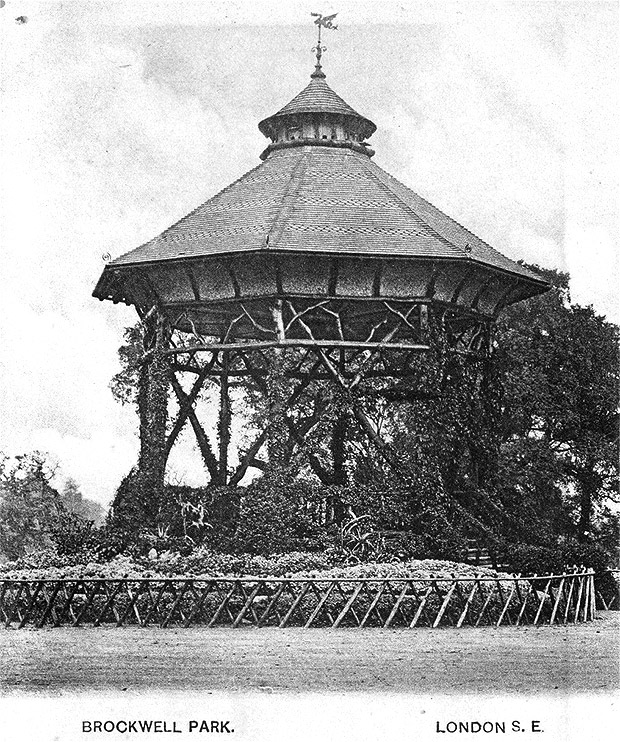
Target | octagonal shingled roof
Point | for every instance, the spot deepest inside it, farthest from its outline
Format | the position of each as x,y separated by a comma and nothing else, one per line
321,200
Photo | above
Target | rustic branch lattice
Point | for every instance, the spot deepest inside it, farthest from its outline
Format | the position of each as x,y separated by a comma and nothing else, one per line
285,602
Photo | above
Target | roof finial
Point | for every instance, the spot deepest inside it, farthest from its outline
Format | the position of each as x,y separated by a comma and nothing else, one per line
322,22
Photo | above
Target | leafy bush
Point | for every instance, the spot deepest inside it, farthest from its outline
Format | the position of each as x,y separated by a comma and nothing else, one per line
418,524
183,517
529,559
203,561
71,533
273,518
413,568
69,567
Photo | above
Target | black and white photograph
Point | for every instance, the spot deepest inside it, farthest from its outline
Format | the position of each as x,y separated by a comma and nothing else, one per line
309,424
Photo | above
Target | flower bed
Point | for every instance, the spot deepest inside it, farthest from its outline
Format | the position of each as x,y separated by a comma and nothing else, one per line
207,564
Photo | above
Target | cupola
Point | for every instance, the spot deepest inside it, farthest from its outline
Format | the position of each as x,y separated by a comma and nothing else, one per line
317,116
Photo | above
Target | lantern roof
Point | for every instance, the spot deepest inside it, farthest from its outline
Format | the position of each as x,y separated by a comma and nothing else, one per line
316,98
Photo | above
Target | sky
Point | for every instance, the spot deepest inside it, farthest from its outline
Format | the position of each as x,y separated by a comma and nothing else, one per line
119,118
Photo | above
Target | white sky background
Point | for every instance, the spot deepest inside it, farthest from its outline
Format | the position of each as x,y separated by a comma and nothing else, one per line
118,118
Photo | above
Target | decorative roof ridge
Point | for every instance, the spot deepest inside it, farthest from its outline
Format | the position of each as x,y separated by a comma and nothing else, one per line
288,198
411,210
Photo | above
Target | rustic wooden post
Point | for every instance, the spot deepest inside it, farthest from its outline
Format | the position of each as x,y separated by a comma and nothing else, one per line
569,598
542,602
339,433
580,578
558,596
586,595
319,606
277,435
348,605
506,604
420,608
224,420
338,447
470,597
444,605
153,409
396,607
530,589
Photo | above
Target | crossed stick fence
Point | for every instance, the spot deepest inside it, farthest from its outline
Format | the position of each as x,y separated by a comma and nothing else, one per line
317,602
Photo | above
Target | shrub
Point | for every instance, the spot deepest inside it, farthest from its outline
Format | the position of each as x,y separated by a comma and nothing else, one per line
529,559
184,517
273,518
203,561
71,533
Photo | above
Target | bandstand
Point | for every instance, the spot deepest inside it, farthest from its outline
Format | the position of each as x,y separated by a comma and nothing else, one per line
316,267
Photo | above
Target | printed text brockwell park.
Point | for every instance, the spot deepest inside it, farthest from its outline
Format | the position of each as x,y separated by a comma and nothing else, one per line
124,726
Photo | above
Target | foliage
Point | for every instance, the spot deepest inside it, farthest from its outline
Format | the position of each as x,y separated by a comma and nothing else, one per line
35,516
520,448
41,563
203,562
186,516
412,523
75,503
529,486
274,517
560,372
206,561
70,533
124,384
28,504
535,559
517,448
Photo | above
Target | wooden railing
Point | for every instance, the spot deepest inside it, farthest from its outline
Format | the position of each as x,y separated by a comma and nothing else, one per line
318,602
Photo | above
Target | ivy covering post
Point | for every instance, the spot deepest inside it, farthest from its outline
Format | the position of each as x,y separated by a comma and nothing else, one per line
277,395
153,410
224,420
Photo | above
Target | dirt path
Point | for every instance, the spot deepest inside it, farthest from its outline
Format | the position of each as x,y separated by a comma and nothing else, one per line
550,659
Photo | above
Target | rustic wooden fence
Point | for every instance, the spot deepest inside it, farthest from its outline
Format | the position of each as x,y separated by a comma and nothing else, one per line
368,602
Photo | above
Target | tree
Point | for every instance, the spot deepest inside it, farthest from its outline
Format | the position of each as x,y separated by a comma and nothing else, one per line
523,446
34,515
560,371
28,504
75,503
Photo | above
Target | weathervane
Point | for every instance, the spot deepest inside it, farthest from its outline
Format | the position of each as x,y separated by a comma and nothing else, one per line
322,21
